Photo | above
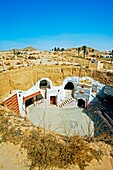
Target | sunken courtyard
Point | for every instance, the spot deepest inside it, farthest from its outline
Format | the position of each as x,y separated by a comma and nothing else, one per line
79,106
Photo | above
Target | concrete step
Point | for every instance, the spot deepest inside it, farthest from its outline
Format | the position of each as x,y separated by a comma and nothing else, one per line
66,101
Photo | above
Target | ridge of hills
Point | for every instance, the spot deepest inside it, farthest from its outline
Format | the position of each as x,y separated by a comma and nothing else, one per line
31,48
90,49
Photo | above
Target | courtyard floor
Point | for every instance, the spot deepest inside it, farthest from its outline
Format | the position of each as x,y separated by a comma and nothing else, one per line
65,121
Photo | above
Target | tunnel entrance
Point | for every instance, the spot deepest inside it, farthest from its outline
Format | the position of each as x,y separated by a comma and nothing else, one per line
81,103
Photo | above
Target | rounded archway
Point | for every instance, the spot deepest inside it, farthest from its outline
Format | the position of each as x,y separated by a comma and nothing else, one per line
81,103
44,84
69,89
69,86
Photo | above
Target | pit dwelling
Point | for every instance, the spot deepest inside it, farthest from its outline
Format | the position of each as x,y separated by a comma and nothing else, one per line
73,108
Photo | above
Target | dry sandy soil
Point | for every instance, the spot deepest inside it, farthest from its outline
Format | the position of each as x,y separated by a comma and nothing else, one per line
11,157
18,147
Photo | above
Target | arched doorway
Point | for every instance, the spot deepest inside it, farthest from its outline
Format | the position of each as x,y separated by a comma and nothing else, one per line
69,86
44,84
69,89
81,103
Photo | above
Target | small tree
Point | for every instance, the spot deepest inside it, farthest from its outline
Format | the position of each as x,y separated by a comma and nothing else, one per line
62,49
58,49
112,52
55,49
84,50
79,51
93,50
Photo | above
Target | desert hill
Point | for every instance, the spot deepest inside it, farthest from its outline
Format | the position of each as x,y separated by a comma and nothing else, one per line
29,48
90,49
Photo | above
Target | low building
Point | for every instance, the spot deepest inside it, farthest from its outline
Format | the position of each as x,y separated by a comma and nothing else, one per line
80,91
95,64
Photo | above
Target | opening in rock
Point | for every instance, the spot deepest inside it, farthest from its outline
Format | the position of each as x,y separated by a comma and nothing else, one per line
81,103
69,86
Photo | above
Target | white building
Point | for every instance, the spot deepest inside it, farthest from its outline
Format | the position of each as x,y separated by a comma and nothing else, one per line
80,91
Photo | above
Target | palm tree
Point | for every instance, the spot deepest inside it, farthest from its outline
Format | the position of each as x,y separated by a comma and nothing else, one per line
55,49
93,50
84,50
112,52
79,51
111,56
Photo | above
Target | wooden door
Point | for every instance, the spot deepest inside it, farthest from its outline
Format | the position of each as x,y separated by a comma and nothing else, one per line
53,100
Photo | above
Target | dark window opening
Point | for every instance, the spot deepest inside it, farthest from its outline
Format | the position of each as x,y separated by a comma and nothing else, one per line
39,97
44,84
81,103
69,86
29,102
94,88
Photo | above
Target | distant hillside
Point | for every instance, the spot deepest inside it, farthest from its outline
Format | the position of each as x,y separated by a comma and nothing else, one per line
71,49
90,49
30,48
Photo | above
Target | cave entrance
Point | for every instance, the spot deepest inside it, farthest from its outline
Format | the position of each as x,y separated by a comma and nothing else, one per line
69,89
69,86
44,84
81,103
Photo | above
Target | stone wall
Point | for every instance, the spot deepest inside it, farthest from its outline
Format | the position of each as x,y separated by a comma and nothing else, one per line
24,78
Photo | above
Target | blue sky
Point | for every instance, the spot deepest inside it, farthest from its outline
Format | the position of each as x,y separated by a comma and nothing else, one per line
45,24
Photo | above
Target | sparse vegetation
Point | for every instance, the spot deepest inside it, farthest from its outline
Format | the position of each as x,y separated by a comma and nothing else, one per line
46,149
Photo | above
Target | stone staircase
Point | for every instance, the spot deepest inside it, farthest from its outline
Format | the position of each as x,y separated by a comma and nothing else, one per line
12,103
96,106
66,101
